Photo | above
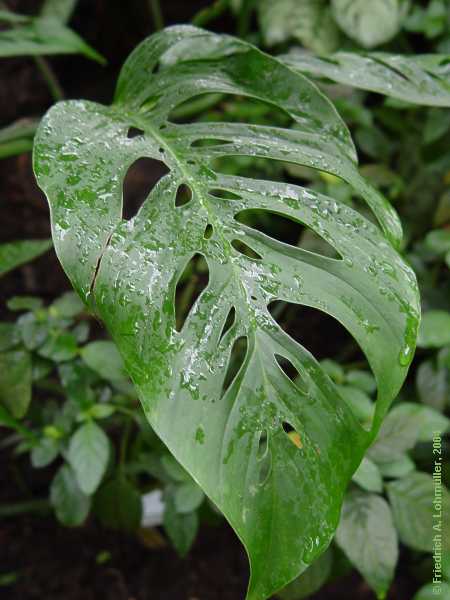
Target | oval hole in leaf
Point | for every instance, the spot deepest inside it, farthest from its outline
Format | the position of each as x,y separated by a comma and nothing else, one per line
303,323
191,283
272,224
226,194
245,249
202,142
237,357
134,132
266,467
292,434
184,195
141,178
263,445
208,233
229,322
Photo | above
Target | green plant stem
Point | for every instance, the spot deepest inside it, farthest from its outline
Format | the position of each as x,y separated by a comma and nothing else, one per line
48,74
210,13
19,508
156,12
124,443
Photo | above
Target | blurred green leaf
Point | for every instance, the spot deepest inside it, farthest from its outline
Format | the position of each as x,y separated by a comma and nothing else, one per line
44,453
67,306
432,384
434,331
181,528
104,358
399,467
411,499
188,496
70,503
14,254
368,476
15,381
367,535
88,455
370,23
311,580
118,505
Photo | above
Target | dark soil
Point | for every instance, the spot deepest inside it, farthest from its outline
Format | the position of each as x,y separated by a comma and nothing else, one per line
50,562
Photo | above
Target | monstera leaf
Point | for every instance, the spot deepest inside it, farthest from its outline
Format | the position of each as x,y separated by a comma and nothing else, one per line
282,492
420,79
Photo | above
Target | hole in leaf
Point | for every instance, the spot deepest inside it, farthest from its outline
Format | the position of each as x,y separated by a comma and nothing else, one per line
244,249
184,195
237,357
311,327
286,230
292,434
231,317
134,132
208,232
200,143
192,282
263,445
226,194
287,367
141,178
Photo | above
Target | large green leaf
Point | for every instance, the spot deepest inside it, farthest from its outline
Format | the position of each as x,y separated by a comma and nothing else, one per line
14,254
419,79
281,492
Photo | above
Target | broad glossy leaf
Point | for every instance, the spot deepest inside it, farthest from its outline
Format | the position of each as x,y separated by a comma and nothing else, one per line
42,35
14,254
367,535
282,496
370,23
419,79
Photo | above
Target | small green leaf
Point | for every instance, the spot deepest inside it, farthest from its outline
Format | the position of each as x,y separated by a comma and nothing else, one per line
188,496
174,469
24,303
67,306
70,503
311,580
59,346
14,254
432,384
181,528
44,35
367,535
370,23
411,499
368,476
399,467
15,381
404,425
44,452
33,331
59,9
104,359
362,380
434,329
308,21
433,591
88,455
101,411
118,505
9,336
